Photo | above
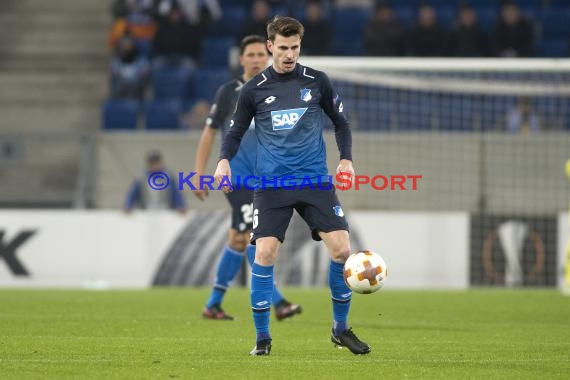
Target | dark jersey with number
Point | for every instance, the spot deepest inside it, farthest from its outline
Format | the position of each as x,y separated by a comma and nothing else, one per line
243,163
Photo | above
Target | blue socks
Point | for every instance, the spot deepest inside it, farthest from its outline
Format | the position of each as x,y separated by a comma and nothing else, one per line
277,296
341,295
261,296
228,268
250,254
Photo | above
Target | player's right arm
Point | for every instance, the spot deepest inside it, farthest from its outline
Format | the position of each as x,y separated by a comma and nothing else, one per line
202,155
218,114
245,111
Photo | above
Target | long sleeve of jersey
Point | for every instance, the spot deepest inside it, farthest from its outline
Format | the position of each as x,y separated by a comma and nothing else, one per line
239,124
221,108
333,107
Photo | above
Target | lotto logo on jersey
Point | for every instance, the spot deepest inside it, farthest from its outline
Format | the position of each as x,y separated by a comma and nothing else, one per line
286,119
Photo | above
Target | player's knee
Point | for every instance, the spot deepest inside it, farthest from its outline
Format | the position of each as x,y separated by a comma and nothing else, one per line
338,244
340,252
238,242
265,255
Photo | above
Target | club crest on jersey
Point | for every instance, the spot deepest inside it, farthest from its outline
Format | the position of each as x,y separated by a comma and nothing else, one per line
338,211
306,94
286,119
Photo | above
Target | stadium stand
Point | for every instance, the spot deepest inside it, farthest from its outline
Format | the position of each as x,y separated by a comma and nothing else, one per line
120,114
163,114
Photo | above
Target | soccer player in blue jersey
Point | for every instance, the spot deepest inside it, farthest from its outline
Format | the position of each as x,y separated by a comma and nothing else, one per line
287,101
253,58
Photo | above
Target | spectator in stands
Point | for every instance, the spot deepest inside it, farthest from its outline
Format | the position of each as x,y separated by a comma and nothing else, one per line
318,33
122,8
177,43
467,39
384,35
427,38
513,34
138,22
129,71
196,12
257,22
354,3
523,118
141,193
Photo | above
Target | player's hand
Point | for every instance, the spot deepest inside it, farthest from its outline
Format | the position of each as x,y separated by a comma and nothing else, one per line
223,170
345,169
201,194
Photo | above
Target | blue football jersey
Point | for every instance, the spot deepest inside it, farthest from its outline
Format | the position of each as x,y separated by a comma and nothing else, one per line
290,113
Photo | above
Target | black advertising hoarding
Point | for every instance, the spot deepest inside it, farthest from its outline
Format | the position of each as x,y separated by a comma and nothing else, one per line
513,251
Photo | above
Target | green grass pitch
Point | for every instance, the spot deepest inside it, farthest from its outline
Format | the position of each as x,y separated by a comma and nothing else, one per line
159,334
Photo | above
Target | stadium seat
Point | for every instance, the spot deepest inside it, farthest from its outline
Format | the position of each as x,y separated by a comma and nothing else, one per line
374,117
412,116
231,22
215,51
446,17
207,81
349,22
348,46
163,114
556,48
487,17
493,111
406,14
456,113
555,23
171,83
120,114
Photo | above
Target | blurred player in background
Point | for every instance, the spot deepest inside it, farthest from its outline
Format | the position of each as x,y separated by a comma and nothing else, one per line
253,58
143,196
289,101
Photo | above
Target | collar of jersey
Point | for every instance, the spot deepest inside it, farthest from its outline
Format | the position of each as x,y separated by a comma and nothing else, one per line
285,76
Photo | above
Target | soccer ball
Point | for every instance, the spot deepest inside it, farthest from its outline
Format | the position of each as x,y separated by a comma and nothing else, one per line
365,272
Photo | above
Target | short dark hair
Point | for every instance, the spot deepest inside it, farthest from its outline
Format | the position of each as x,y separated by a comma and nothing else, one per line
154,156
284,26
248,40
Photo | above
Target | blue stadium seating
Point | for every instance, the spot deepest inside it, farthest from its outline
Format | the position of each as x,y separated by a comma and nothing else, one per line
553,48
411,116
405,14
556,23
207,81
163,114
350,21
455,113
215,51
120,114
172,83
372,116
446,17
487,17
231,22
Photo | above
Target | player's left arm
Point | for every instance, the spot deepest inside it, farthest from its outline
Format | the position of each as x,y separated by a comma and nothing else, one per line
333,107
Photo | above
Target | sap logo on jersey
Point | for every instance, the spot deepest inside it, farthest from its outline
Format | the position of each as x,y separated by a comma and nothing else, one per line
286,119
